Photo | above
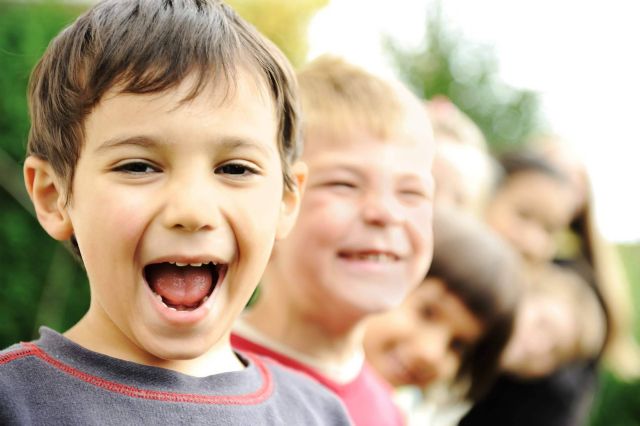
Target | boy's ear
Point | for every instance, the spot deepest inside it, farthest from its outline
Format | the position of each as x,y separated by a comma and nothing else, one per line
291,200
48,197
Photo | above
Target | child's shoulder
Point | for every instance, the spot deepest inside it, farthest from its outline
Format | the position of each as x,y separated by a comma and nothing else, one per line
18,374
7,354
54,380
293,387
16,357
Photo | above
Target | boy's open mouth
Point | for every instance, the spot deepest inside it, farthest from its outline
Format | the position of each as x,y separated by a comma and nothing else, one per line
183,287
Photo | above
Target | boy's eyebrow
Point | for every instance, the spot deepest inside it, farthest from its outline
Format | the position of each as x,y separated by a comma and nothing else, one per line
226,143
142,141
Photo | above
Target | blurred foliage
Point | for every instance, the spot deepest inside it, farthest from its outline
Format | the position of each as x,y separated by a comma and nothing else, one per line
41,283
630,254
284,22
618,402
447,64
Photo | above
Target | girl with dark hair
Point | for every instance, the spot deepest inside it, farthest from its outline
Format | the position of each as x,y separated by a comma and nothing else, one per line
451,328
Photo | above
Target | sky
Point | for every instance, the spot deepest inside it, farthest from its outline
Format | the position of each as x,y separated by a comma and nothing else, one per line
581,56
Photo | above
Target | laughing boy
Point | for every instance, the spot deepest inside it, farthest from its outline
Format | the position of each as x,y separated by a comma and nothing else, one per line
163,145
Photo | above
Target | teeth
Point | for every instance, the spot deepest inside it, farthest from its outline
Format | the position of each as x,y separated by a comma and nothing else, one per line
197,264
376,257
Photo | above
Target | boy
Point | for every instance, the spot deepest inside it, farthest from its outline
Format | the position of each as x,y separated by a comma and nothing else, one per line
462,168
362,240
158,129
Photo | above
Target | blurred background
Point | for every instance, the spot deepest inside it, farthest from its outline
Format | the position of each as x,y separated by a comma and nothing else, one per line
517,68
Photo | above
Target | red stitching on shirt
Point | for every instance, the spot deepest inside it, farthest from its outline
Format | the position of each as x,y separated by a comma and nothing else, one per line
252,398
21,353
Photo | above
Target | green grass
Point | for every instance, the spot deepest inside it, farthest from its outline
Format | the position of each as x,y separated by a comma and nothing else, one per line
617,402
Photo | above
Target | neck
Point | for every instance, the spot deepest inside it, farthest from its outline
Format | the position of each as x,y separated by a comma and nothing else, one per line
96,333
304,331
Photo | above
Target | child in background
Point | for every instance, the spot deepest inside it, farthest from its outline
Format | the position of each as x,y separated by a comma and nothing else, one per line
549,363
362,241
584,249
559,320
552,384
452,328
532,204
463,169
159,129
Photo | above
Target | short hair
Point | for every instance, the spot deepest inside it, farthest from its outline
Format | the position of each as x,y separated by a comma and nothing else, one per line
485,273
149,46
338,97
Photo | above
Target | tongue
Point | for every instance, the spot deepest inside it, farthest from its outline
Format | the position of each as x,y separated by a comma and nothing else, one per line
179,285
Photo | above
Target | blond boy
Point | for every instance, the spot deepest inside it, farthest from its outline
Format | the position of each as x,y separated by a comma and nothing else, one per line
363,238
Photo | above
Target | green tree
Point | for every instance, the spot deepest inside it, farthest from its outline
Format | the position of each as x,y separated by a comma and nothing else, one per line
41,283
467,73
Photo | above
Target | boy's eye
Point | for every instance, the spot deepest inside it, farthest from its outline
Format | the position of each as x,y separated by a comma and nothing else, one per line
136,167
428,312
459,346
413,193
341,184
235,169
523,213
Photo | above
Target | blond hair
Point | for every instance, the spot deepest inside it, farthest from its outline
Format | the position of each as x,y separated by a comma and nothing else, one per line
339,97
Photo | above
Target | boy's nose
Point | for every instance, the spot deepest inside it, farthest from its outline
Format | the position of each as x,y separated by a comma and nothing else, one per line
381,209
191,207
535,244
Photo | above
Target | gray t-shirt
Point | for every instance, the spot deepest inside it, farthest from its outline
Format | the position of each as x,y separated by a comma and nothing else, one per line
53,381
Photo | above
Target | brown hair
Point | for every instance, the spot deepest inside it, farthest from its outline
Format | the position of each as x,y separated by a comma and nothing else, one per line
523,161
479,268
147,46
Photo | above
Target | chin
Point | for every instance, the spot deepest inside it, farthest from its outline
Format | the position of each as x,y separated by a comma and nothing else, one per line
176,352
365,307
177,348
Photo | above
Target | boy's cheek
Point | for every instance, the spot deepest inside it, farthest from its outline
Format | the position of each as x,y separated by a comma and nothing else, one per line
421,226
120,218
